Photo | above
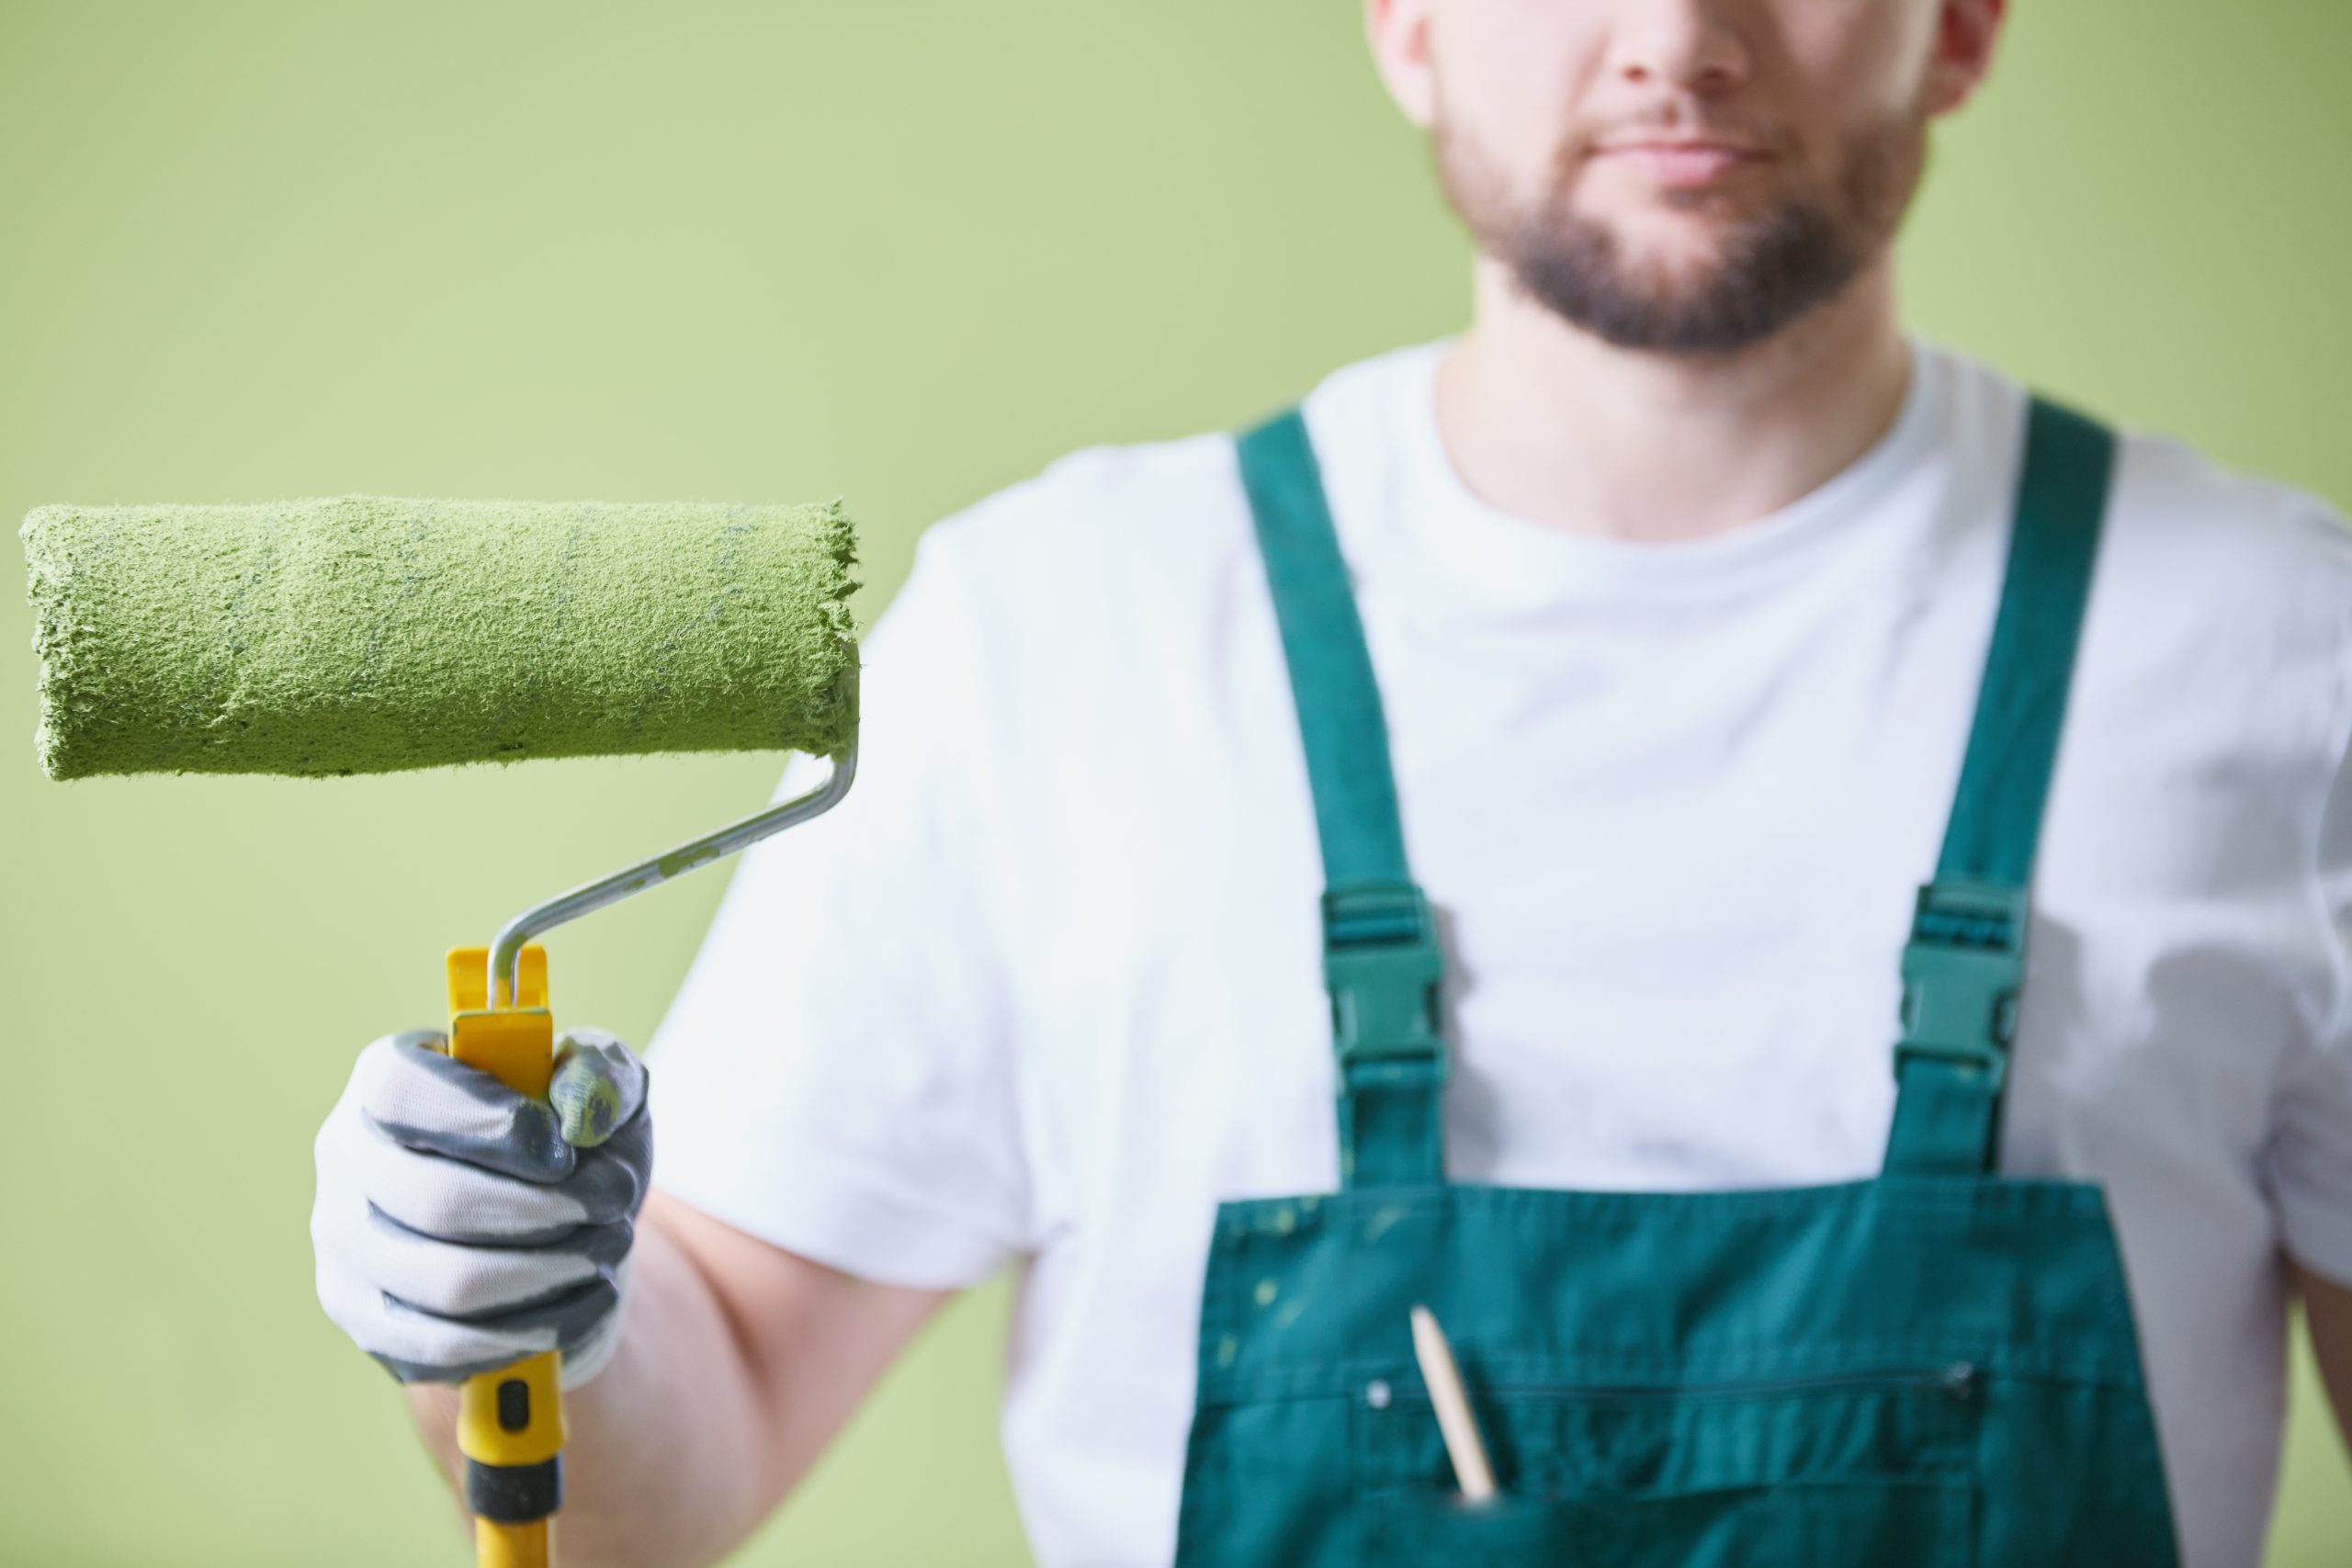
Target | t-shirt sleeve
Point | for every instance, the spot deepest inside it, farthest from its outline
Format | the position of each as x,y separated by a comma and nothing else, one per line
2311,1145
837,1073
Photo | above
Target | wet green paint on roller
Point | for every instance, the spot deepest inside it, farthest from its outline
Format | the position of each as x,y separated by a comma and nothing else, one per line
366,633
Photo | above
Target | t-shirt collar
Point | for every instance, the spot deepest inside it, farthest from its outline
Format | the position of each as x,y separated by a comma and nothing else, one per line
1503,557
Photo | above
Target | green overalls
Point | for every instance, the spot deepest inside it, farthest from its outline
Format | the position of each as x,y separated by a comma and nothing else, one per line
1935,1366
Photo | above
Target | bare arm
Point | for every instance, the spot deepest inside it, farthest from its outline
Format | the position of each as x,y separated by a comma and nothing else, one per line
2327,1308
738,1363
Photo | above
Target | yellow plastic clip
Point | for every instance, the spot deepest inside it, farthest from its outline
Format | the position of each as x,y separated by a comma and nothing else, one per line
514,1043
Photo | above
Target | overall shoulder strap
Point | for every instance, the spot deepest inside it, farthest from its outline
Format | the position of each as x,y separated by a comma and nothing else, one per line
1380,954
1964,964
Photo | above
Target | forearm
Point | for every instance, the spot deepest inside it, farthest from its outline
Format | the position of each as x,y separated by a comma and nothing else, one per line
2327,1312
669,1462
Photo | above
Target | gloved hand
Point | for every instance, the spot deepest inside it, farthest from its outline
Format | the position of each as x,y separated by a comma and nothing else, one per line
460,1227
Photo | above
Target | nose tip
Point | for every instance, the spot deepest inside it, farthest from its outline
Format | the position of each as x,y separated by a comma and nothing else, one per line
1707,80
1680,44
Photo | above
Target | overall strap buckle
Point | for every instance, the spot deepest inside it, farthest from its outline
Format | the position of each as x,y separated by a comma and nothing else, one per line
1961,970
1381,964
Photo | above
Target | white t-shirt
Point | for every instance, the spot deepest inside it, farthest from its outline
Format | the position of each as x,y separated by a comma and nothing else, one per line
1046,985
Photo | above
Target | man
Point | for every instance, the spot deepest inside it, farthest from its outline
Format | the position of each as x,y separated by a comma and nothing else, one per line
1679,570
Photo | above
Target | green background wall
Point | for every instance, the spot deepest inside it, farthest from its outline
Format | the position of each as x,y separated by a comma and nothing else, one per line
904,252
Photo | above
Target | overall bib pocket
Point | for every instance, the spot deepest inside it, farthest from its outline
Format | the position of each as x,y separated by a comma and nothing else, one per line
1860,1469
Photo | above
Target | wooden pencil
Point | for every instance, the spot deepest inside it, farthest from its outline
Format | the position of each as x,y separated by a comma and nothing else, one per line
1455,1421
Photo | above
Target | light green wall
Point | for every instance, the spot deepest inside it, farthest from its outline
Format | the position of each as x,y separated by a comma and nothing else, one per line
905,253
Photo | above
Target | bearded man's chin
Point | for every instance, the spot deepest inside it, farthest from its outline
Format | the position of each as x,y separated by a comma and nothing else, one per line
1769,271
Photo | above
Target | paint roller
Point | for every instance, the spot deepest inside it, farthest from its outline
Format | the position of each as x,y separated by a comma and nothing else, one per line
366,633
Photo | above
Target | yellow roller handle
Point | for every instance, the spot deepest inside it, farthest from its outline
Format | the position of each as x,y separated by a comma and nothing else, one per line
510,1422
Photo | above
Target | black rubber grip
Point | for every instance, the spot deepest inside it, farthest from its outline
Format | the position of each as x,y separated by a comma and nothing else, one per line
515,1494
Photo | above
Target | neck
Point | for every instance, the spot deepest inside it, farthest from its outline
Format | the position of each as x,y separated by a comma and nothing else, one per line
1552,424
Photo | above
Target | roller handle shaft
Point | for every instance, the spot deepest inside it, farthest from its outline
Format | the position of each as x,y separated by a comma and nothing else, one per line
510,1422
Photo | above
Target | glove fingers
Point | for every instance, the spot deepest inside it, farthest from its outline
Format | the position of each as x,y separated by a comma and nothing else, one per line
455,1201
471,1282
416,1347
423,1100
419,1345
569,1314
586,1329
580,1324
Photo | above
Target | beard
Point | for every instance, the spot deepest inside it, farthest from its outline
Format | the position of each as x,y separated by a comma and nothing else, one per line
1771,267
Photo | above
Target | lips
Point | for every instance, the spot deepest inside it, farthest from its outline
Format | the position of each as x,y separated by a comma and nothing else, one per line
1679,163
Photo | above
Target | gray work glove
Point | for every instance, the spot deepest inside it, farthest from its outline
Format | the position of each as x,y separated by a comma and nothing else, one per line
460,1227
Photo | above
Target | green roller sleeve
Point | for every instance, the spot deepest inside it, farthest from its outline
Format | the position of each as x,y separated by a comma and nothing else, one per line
362,634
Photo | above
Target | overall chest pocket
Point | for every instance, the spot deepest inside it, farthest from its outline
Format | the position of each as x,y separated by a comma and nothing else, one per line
1842,1472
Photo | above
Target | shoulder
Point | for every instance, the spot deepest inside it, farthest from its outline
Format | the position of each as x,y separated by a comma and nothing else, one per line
1091,517
1058,615
1158,517
2214,676
2217,645
2236,544
2203,569
1140,553
1084,588
2228,593
2187,530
